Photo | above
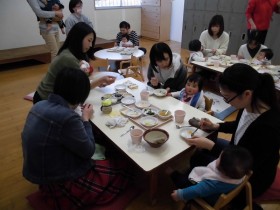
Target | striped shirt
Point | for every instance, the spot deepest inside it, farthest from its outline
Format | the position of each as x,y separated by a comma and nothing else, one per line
133,37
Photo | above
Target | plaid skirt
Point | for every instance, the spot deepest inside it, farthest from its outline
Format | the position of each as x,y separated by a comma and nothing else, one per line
102,183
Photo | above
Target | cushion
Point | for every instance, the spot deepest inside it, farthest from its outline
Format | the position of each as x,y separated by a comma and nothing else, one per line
273,193
36,200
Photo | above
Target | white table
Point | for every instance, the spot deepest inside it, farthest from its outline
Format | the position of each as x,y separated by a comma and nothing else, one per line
152,158
116,56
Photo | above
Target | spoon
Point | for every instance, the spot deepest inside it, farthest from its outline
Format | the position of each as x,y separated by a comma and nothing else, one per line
130,108
183,126
192,134
131,127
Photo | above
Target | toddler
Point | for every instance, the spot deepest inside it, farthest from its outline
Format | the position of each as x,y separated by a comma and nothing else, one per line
263,57
220,176
125,41
195,51
85,67
192,94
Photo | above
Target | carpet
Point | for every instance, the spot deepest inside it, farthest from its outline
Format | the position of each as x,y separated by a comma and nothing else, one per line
36,200
29,96
220,107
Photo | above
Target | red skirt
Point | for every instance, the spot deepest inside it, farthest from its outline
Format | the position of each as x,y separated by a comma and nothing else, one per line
102,183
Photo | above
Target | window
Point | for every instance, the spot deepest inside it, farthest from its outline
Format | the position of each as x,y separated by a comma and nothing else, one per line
100,4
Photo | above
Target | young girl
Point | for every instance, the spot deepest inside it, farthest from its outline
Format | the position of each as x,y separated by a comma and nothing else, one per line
166,69
215,40
192,94
195,51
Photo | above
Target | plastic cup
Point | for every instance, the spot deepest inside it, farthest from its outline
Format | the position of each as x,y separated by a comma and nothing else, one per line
233,57
136,136
144,95
216,64
179,116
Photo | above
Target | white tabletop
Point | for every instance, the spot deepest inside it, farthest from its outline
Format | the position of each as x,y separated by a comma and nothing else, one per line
152,157
116,56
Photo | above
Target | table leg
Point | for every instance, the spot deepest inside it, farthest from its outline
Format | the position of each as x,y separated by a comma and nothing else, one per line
153,186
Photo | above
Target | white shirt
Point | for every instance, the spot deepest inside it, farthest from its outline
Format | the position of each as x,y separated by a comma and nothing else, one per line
244,53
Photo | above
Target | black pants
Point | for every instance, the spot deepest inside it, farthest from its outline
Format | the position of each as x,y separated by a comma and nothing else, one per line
36,98
261,35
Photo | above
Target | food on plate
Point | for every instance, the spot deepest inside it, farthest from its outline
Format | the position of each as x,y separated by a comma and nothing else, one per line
160,92
150,111
133,86
164,114
149,121
142,104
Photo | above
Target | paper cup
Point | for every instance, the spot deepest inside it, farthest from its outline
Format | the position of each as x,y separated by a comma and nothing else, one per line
144,95
136,136
179,116
216,64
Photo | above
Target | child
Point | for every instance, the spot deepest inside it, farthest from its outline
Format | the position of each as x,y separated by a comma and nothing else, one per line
192,94
220,176
53,5
196,51
125,41
264,57
85,67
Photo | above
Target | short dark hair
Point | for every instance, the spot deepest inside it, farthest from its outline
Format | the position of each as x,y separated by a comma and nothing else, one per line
124,24
73,85
235,162
216,20
195,45
74,41
240,77
268,53
254,36
73,3
125,36
196,78
157,53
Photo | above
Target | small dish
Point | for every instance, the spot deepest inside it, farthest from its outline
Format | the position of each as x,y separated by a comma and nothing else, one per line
142,104
164,114
186,132
128,100
135,113
151,111
160,92
149,121
155,137
120,87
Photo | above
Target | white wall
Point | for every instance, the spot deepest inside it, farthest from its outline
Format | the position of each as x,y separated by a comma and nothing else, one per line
19,27
177,20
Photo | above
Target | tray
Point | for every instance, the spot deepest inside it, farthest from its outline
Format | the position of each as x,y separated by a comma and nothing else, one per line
137,120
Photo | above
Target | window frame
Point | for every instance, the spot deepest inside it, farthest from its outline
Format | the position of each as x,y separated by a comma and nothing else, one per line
116,7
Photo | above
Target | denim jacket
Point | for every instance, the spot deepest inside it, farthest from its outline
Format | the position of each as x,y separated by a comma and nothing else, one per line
57,145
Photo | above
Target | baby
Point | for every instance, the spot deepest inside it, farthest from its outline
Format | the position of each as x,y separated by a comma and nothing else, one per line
196,51
220,176
192,94
85,67
263,57
125,41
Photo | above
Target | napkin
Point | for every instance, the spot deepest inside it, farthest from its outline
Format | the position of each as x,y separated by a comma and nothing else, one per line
116,122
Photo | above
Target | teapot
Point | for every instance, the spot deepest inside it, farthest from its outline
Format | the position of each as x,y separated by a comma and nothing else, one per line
106,107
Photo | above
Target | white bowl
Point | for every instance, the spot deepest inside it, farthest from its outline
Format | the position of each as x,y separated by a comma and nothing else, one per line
120,87
142,104
164,114
160,92
151,111
128,100
149,121
186,132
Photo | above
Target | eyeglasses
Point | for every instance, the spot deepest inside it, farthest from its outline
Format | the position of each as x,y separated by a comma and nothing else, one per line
231,99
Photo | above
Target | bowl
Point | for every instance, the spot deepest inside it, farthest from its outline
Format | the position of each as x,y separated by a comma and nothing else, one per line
151,111
128,100
164,114
155,137
160,92
120,88
149,121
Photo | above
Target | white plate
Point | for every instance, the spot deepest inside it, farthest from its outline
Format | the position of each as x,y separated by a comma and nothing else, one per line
186,132
120,87
160,92
142,104
215,57
152,111
149,121
131,113
128,100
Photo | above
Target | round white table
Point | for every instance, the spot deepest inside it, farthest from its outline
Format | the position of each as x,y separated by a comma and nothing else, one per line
116,56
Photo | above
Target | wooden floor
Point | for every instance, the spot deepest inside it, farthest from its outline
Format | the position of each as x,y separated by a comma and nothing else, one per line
15,83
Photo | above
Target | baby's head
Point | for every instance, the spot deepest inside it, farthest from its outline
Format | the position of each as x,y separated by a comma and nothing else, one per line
57,6
265,54
195,45
125,38
235,162
194,84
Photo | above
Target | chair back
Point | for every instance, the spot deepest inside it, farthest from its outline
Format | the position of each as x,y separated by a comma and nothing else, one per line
133,70
208,103
101,65
225,199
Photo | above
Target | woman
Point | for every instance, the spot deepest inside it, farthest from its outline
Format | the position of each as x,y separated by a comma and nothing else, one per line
257,127
166,69
58,145
73,53
75,7
214,40
51,36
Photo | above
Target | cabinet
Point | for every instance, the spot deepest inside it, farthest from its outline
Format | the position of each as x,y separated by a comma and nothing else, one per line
155,19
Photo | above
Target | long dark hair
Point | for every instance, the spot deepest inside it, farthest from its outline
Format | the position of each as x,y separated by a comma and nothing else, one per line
157,53
74,41
216,20
240,77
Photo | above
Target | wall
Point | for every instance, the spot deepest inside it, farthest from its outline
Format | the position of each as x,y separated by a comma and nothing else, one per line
177,20
19,27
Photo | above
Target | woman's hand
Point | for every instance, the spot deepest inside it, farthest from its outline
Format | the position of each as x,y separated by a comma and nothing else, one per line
174,195
59,14
154,81
200,142
206,124
87,112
